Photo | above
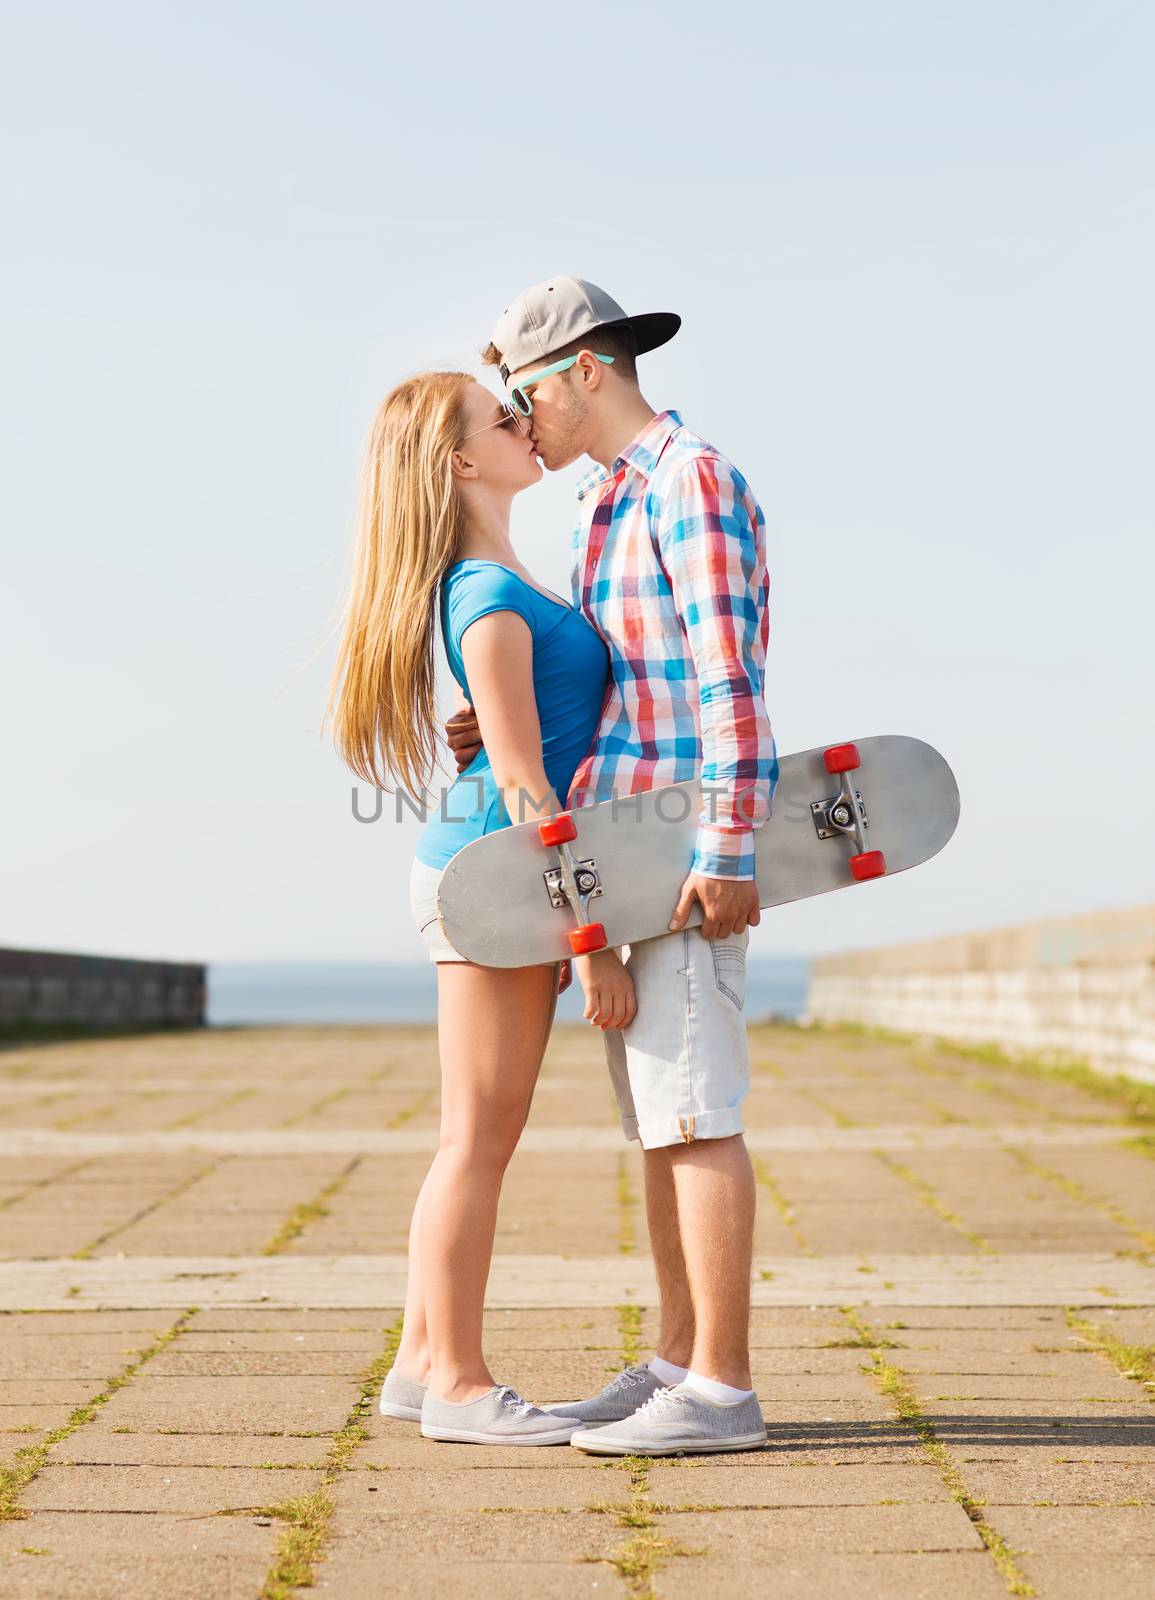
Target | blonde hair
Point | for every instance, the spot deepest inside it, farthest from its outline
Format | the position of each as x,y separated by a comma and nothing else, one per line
410,519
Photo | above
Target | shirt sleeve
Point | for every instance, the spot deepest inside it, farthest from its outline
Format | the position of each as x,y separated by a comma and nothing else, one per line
711,537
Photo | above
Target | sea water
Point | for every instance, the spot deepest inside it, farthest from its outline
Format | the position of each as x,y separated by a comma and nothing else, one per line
286,992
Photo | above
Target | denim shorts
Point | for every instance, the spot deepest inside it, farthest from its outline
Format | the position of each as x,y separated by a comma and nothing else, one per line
681,1069
423,881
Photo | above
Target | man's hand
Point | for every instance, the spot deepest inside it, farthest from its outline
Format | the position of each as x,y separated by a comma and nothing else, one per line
729,905
463,736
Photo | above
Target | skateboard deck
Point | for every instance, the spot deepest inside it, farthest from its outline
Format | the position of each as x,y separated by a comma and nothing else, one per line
612,875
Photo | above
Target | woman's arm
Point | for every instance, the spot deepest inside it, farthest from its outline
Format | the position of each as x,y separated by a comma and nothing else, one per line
497,651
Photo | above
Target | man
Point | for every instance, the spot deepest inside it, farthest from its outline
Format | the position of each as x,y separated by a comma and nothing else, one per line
669,564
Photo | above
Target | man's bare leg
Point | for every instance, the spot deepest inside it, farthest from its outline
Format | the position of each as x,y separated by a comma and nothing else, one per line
676,1327
714,1184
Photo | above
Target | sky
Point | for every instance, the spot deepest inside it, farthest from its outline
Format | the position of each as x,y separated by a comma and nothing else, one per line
912,246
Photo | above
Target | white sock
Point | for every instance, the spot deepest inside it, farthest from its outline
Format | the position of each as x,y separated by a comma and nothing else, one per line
666,1372
720,1393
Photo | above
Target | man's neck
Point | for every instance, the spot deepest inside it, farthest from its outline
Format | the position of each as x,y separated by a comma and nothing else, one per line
619,428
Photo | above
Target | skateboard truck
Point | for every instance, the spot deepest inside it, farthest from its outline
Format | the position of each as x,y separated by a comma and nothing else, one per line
845,814
573,883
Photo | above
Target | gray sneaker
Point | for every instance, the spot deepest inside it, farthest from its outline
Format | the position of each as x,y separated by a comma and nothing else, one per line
401,1397
499,1417
676,1420
620,1398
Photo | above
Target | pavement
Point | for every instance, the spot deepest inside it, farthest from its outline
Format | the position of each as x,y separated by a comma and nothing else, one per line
201,1270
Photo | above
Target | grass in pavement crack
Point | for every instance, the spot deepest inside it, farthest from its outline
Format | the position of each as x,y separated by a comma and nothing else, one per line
1076,1191
309,1211
400,1118
1143,1144
316,1106
193,1117
185,1184
28,1461
630,1327
302,1545
627,1208
783,1207
642,1557
1134,1361
1135,1100
893,1383
646,1551
42,1183
841,1118
982,1084
930,1199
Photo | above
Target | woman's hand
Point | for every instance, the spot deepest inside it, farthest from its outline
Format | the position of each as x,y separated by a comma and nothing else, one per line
610,1000
565,976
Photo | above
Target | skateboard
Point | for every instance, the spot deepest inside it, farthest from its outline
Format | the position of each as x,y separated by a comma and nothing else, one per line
610,874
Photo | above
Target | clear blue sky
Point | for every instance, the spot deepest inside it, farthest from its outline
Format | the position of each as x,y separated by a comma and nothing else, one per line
913,248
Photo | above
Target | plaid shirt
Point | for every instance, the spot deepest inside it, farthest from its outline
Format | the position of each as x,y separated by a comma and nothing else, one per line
669,564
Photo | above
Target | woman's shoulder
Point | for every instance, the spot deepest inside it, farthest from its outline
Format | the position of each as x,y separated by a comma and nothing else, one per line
473,587
468,582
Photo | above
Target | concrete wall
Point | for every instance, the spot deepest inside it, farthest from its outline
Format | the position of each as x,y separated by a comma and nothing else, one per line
1077,986
42,987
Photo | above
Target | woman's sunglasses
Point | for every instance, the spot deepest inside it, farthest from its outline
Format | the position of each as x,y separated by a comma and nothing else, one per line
508,419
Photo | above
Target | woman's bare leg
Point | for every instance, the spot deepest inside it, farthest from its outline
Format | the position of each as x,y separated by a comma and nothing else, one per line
493,1027
412,1359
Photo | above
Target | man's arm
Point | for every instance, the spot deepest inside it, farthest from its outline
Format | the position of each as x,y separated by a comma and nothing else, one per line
711,535
462,732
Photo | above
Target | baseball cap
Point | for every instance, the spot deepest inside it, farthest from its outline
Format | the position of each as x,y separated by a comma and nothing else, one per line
556,312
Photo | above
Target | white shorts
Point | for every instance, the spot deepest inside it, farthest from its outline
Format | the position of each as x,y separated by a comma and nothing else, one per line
681,1069
423,881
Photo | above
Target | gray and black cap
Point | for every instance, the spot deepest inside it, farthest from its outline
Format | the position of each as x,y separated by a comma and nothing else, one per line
555,313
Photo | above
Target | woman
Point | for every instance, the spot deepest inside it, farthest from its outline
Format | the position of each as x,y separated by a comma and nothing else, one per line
444,462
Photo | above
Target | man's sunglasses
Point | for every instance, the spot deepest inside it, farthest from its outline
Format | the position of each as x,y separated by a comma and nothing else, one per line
519,396
509,419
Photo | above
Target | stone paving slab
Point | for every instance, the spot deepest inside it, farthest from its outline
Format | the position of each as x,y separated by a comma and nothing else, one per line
1072,1576
187,1363
37,1141
750,1536
969,1216
799,1576
570,1487
1063,1483
414,1537
145,1448
348,1575
230,1405
399,1447
121,1555
1124,1530
188,1491
127,1572
762,1480
364,1281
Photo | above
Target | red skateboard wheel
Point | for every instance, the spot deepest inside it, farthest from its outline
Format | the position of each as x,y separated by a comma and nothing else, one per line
588,938
841,758
557,830
871,864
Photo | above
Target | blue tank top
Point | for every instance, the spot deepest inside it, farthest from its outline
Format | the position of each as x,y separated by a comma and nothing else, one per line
570,671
